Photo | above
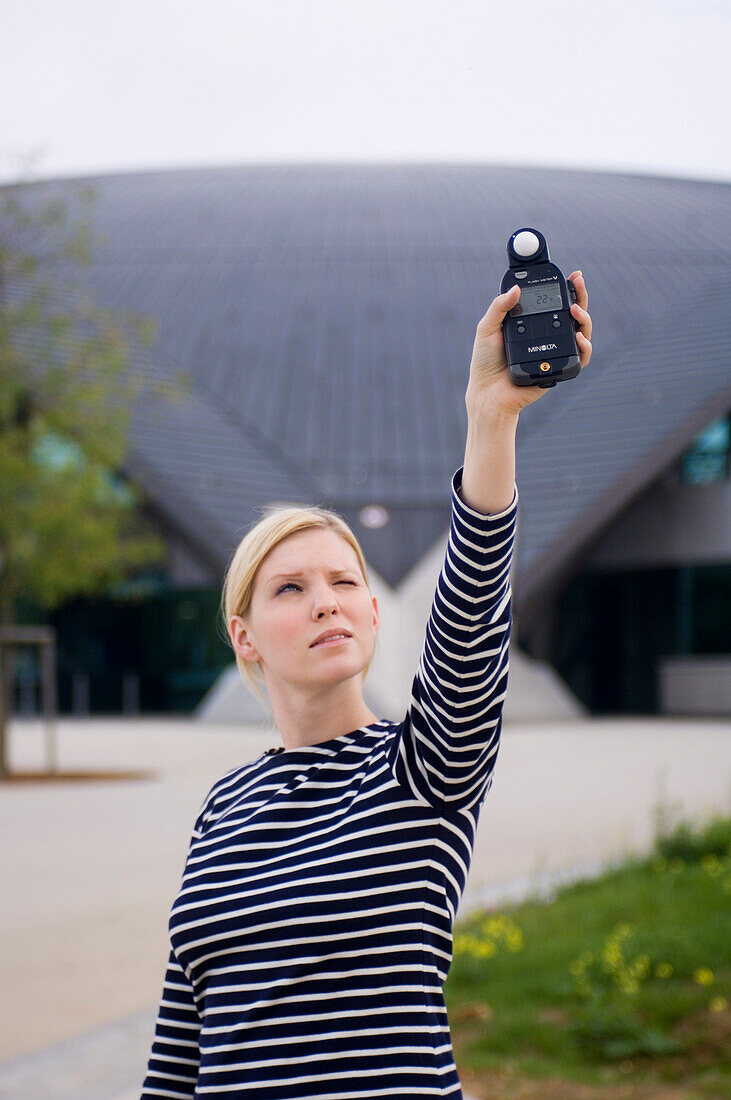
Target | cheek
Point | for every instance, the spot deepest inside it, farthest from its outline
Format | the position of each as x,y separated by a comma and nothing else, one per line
287,625
280,630
365,614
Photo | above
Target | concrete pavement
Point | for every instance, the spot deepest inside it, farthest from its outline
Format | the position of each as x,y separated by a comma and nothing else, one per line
93,866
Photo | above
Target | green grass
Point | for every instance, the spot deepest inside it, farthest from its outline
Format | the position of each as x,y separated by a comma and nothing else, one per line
626,977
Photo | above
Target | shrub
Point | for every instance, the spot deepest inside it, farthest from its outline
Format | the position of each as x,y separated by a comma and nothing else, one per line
691,842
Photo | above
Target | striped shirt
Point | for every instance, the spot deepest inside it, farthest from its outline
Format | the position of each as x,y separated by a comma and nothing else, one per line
312,934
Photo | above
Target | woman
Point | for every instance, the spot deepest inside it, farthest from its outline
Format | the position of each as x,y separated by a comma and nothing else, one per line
312,934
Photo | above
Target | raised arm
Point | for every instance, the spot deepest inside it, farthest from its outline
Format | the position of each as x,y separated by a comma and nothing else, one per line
447,748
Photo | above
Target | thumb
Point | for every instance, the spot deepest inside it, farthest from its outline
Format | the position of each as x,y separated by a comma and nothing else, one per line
499,308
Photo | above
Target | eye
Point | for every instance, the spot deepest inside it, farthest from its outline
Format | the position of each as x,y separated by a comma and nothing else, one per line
291,584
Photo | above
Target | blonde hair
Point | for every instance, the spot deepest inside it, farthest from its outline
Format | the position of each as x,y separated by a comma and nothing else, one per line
241,573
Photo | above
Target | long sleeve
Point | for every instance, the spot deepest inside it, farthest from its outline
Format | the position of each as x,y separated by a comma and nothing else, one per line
447,748
172,1070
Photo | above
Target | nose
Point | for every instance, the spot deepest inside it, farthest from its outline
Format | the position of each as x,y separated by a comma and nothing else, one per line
326,602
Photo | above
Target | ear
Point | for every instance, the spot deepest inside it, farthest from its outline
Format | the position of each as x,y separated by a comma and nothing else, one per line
376,616
242,640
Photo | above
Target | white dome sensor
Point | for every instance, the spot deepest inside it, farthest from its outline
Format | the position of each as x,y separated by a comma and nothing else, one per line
526,244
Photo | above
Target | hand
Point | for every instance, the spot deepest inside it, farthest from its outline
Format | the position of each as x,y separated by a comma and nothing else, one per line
490,384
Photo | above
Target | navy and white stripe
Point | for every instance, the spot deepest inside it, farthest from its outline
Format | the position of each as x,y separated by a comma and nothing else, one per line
312,933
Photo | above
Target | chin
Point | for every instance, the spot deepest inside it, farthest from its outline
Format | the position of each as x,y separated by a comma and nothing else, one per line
340,672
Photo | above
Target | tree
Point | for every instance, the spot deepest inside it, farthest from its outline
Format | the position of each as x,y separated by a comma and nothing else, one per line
69,517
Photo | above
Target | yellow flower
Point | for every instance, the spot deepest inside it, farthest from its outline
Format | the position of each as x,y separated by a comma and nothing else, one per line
640,966
495,925
676,865
712,865
703,976
484,950
718,1004
612,956
493,928
663,970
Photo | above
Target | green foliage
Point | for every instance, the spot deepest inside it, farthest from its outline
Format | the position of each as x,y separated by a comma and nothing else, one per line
634,964
693,842
610,1034
601,1028
70,516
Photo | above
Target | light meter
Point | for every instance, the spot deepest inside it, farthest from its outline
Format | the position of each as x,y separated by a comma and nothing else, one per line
540,345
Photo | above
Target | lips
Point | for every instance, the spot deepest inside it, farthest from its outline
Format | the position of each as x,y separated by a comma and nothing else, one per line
330,634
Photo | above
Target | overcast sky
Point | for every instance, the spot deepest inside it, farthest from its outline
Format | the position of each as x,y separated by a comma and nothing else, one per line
91,88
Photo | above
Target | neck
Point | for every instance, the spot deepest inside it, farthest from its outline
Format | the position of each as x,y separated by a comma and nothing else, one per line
305,717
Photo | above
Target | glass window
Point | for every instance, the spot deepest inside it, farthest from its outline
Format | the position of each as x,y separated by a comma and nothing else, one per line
707,460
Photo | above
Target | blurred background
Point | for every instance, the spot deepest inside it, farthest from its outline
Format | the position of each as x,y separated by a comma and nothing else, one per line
243,253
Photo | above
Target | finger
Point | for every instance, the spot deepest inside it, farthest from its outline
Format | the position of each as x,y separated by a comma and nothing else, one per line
583,318
582,295
499,309
585,348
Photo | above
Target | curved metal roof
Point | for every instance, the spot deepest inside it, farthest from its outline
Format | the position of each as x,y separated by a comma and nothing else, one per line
326,315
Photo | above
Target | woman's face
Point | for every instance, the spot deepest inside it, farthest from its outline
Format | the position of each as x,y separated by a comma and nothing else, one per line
309,583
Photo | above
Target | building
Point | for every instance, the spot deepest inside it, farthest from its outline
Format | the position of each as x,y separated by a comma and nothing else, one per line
325,316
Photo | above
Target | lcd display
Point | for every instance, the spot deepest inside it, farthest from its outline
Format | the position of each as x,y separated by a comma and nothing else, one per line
541,298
